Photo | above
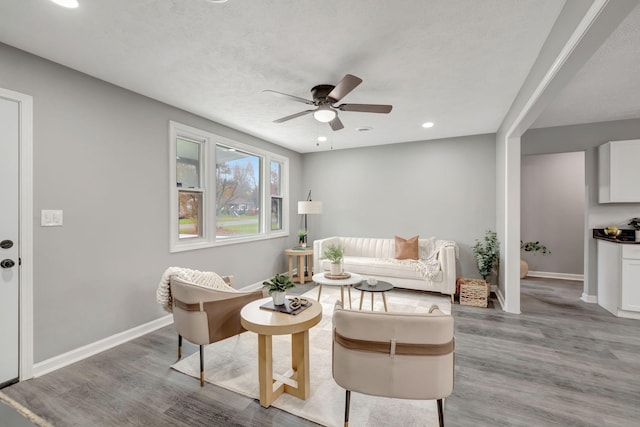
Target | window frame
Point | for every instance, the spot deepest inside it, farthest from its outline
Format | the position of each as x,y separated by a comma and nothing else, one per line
209,142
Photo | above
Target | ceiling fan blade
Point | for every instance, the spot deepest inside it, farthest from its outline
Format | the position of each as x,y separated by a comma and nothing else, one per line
295,98
366,108
293,116
346,85
336,124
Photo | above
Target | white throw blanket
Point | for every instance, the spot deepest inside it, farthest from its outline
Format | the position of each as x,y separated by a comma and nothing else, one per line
430,267
206,279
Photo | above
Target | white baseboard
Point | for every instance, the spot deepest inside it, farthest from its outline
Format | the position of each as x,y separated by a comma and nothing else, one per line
500,297
561,276
591,299
65,359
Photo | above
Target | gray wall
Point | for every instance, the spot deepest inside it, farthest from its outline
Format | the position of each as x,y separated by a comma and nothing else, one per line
101,155
443,188
588,137
552,210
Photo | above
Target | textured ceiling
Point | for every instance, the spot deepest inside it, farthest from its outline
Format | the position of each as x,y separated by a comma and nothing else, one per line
608,85
458,63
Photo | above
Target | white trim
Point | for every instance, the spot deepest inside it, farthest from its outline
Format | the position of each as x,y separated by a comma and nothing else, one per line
26,230
514,131
210,142
577,35
591,299
628,314
65,359
561,276
500,297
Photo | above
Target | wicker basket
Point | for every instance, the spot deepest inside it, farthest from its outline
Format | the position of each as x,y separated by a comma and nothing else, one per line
474,292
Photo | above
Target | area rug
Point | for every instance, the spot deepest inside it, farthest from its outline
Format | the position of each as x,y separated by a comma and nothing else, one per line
233,364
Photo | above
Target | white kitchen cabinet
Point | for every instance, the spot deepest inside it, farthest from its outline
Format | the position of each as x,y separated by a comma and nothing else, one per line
619,173
619,278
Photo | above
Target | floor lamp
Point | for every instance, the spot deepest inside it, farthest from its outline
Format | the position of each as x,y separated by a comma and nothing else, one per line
308,207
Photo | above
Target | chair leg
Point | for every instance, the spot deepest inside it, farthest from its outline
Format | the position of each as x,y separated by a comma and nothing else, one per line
179,346
440,413
201,365
347,404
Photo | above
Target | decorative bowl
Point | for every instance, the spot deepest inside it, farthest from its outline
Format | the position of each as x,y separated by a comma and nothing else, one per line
612,231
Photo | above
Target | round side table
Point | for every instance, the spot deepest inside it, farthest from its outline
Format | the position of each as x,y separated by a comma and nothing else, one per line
380,287
267,323
321,279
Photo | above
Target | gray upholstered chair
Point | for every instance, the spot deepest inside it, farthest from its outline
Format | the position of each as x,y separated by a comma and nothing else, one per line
204,315
406,356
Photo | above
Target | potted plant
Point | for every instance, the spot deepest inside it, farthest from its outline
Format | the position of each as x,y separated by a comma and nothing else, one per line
302,238
278,286
334,253
487,253
534,248
635,223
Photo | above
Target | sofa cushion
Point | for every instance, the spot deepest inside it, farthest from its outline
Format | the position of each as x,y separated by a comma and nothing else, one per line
382,268
406,248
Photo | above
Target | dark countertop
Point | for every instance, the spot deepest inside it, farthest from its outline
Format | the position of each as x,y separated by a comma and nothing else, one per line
627,237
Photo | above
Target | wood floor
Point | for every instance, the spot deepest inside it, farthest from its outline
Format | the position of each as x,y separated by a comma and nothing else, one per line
561,363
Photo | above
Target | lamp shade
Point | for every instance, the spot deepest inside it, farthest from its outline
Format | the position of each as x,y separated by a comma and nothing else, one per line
309,207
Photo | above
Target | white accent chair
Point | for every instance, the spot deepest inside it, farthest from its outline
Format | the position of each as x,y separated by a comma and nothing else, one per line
206,315
405,356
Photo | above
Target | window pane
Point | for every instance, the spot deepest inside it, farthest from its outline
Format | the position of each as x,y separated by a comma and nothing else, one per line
276,213
237,192
190,214
187,163
276,176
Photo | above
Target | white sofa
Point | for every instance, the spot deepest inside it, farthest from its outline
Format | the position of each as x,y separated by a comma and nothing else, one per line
372,257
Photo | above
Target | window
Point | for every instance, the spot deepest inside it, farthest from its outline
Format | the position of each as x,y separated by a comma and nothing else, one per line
250,197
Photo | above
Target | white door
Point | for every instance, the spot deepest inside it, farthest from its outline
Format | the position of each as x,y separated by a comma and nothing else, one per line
9,270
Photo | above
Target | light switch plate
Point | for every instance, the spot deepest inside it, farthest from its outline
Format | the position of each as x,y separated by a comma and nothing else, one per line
50,218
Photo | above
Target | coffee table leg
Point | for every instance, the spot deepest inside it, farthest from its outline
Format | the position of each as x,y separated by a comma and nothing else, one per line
372,293
342,295
265,371
349,290
384,300
319,290
300,364
361,298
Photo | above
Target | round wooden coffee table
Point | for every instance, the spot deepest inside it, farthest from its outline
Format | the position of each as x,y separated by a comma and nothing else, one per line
267,323
322,279
380,287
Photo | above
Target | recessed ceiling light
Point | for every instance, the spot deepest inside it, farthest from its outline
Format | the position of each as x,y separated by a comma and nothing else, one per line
364,128
217,1
427,125
322,138
71,4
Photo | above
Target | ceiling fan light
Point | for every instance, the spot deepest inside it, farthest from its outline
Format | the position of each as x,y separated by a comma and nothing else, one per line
324,114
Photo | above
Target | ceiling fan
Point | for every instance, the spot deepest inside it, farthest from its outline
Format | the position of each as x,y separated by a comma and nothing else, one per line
326,96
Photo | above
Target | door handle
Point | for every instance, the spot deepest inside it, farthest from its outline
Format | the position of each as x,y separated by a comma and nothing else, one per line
7,263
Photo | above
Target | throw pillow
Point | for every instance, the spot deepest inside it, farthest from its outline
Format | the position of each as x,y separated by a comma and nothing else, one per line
406,248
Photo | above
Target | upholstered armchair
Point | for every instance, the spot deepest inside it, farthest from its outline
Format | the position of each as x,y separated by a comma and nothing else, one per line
206,315
405,356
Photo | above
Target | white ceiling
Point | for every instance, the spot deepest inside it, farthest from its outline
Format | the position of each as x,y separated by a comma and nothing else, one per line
458,63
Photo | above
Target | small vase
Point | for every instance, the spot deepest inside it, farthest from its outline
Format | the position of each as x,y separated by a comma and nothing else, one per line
278,297
336,268
524,268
